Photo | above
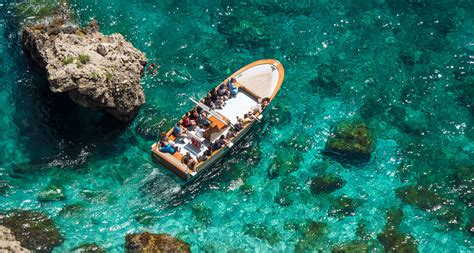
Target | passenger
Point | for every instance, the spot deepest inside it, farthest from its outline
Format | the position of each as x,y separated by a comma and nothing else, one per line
194,115
214,96
231,86
165,146
187,122
220,102
178,132
231,133
208,101
265,102
239,125
203,119
258,107
222,141
188,160
248,118
223,92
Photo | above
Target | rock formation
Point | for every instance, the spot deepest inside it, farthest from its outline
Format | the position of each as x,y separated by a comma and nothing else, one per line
156,243
351,141
33,230
97,71
8,243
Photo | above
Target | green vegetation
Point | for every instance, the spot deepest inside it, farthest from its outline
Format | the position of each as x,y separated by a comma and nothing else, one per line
83,58
108,76
67,60
95,76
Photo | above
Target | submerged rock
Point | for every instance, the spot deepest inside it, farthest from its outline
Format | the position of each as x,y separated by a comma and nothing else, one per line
88,248
326,82
392,239
52,193
8,243
96,71
72,210
311,235
343,207
202,214
326,184
150,243
286,161
350,140
145,217
354,246
262,232
34,230
420,197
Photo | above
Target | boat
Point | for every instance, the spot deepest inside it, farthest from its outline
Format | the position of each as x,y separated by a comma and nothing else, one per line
256,82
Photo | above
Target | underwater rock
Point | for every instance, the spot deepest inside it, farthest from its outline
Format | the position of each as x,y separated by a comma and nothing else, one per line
52,193
371,108
98,196
34,230
72,210
283,199
285,162
343,207
326,82
202,213
420,197
150,243
246,189
4,187
326,184
262,232
350,140
354,246
96,71
146,218
8,243
311,234
88,248
392,239
464,182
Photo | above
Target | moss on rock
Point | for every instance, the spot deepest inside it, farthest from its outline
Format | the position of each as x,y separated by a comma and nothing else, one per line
34,230
392,239
350,141
154,243
326,184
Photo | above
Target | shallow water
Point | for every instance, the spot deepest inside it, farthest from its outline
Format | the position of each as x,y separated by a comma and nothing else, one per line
404,67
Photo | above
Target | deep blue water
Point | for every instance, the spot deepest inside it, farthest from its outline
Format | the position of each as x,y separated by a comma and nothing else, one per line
405,68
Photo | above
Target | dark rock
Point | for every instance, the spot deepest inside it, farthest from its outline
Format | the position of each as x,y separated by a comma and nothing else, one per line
371,108
72,210
108,83
420,197
52,193
34,230
326,82
262,232
246,189
464,182
202,214
343,207
312,233
283,199
326,184
350,140
392,239
151,243
285,162
354,246
88,248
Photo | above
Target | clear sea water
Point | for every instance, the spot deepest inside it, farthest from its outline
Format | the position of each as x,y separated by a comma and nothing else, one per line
404,67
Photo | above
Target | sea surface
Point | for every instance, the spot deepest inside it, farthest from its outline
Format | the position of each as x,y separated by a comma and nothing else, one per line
404,67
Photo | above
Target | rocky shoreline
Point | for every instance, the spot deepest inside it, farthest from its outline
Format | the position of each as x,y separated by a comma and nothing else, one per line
97,71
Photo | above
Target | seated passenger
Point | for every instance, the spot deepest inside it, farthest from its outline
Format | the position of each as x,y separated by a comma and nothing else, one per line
239,125
188,160
178,132
231,87
257,108
208,101
248,118
223,92
202,119
222,141
220,103
265,102
187,122
165,146
231,133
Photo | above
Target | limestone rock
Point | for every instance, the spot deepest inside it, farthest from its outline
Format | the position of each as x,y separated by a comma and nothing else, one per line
8,243
96,71
34,230
156,243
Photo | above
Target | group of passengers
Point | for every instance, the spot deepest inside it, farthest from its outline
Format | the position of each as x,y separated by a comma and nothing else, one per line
197,120
217,98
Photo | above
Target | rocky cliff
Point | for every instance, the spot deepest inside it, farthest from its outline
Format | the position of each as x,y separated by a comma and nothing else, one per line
8,243
97,71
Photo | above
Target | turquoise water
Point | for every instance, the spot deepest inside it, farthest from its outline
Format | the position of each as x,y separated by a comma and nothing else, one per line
404,67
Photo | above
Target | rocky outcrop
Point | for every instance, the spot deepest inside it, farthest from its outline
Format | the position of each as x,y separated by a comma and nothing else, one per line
33,230
156,243
350,141
326,184
8,243
96,71
52,193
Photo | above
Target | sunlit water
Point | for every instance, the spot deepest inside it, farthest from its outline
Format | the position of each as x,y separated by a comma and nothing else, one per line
405,67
